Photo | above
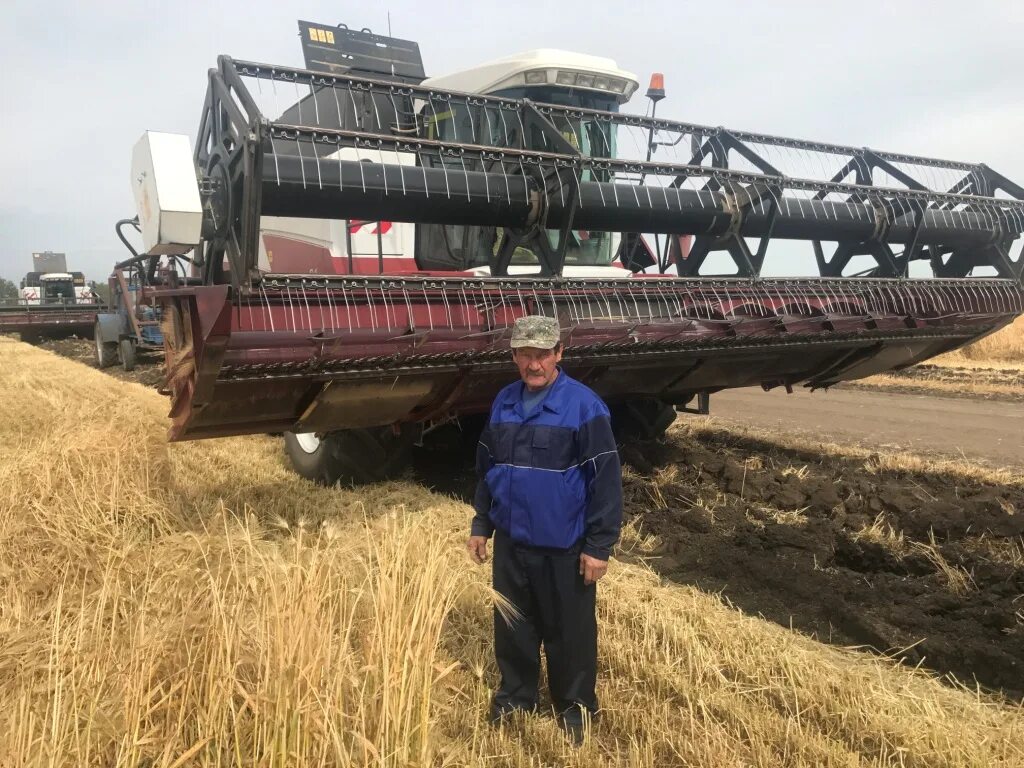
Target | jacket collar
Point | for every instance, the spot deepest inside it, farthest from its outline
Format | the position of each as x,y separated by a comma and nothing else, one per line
552,403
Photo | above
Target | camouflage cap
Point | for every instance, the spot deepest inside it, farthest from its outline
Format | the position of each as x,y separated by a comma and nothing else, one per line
536,331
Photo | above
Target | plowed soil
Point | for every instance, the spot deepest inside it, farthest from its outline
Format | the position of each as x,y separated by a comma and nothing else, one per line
148,369
928,566
925,564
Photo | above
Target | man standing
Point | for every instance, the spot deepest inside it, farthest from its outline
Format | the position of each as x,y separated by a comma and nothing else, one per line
550,491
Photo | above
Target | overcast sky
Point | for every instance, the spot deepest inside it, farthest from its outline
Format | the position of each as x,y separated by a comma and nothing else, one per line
83,80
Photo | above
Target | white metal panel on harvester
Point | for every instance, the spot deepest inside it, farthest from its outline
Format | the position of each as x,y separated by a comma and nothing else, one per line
396,238
569,270
166,193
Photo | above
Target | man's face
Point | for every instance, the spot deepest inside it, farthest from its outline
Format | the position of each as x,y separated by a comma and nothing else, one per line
537,367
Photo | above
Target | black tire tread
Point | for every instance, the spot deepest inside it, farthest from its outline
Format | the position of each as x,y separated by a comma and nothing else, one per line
353,456
105,352
126,351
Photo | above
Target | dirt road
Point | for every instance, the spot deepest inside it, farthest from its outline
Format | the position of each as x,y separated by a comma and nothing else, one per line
991,432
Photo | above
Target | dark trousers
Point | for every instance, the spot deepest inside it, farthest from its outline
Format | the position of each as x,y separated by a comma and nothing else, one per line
555,609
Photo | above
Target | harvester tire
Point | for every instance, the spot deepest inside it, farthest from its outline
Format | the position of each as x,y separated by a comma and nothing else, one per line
106,351
642,418
127,351
350,456
311,457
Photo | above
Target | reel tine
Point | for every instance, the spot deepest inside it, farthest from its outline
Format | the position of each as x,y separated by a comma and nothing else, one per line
337,103
561,187
316,106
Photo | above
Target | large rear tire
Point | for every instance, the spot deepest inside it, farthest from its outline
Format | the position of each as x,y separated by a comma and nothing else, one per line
106,351
350,456
642,418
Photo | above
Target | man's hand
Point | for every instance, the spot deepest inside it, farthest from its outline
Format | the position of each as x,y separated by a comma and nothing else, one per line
592,569
477,546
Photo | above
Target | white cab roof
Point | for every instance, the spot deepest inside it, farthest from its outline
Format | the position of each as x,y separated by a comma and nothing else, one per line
486,77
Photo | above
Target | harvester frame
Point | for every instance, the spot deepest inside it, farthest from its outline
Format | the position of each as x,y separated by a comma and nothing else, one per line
234,135
319,353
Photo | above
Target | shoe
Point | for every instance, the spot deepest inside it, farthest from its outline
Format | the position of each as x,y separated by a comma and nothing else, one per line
574,722
573,729
501,712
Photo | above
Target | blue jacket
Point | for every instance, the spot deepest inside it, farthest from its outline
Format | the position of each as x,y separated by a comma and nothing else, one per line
551,478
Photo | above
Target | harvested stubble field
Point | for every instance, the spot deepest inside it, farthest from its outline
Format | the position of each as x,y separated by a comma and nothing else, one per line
198,604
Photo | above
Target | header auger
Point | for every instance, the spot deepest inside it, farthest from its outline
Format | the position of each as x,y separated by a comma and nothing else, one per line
362,245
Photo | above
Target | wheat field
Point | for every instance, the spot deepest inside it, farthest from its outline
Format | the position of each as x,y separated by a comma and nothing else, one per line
199,605
1005,346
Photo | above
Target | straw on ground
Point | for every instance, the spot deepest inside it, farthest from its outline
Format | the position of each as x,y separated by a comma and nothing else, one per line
198,604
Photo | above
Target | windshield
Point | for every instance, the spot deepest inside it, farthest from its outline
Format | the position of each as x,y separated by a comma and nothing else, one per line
461,247
58,289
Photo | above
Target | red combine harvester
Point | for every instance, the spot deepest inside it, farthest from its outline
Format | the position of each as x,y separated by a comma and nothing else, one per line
51,303
362,239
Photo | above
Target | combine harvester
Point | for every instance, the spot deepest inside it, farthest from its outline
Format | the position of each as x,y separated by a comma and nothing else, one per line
52,302
362,240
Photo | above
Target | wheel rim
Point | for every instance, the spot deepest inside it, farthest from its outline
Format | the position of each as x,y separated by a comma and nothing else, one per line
308,441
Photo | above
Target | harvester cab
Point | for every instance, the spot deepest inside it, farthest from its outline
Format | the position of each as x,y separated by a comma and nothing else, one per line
546,76
361,240
56,289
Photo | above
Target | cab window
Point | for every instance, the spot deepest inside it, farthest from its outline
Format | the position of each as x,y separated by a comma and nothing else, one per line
459,247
